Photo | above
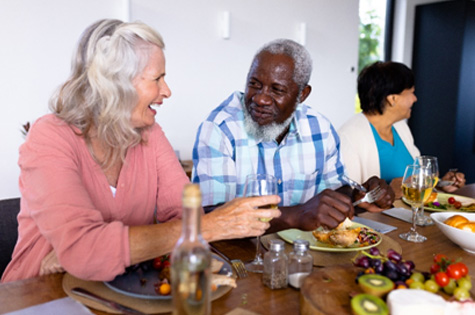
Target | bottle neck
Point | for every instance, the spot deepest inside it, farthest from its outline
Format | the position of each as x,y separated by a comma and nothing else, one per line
191,223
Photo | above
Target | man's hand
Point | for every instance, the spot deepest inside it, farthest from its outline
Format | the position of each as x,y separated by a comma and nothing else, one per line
384,202
458,179
329,208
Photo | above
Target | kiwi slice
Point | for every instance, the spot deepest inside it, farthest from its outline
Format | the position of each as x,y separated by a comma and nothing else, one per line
375,284
367,304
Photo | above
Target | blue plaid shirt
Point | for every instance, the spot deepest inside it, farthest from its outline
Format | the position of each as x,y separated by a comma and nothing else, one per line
306,162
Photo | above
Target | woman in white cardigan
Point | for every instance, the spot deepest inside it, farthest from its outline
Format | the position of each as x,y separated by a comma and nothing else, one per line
378,141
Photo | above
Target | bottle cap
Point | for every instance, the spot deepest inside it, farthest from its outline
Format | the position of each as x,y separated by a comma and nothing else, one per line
301,244
276,245
191,196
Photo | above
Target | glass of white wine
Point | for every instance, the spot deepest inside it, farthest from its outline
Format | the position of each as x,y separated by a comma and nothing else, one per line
259,185
417,185
431,162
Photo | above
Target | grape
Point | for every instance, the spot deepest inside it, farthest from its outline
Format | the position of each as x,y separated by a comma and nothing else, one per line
417,277
409,265
391,274
449,288
379,269
431,286
362,261
417,285
464,283
374,251
375,263
394,256
461,294
390,266
402,270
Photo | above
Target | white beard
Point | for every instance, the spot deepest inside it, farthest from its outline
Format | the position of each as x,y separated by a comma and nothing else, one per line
265,133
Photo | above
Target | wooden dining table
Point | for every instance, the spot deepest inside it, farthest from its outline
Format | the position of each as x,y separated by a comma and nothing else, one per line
251,295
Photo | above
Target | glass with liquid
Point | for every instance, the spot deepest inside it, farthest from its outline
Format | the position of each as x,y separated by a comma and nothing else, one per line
259,185
191,261
417,185
429,161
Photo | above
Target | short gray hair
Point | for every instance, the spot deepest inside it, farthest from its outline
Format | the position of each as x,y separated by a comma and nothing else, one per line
99,92
298,53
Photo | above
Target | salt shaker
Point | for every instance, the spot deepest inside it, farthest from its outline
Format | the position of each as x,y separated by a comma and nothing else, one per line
275,266
300,263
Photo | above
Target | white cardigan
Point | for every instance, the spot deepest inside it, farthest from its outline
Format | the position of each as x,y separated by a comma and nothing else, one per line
359,150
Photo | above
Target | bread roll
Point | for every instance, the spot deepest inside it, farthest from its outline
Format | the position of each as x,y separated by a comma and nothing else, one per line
469,226
456,220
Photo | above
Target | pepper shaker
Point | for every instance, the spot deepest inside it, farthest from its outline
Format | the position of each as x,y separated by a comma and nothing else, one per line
275,266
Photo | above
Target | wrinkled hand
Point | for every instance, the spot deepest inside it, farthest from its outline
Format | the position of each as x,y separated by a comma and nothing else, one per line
328,209
459,179
50,264
240,218
385,201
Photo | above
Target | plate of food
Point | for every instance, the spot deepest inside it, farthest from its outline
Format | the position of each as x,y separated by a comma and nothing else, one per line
151,279
440,202
347,237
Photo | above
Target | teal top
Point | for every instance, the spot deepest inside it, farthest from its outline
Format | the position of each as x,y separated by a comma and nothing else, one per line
393,159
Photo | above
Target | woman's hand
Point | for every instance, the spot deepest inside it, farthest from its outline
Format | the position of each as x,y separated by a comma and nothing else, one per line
239,218
396,186
458,179
387,198
50,264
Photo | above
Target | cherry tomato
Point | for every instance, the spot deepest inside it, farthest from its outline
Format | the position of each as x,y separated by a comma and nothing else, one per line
454,271
457,205
442,279
157,263
451,200
434,268
166,263
440,257
463,269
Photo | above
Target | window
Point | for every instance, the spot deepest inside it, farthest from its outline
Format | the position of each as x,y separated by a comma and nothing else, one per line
375,31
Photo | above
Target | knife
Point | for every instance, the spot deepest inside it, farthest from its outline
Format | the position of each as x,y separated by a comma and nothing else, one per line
114,305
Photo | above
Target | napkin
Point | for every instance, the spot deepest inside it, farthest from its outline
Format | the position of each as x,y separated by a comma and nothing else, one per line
401,214
377,226
62,306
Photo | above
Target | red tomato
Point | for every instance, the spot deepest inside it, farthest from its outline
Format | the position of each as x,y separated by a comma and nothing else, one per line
442,279
434,268
439,258
451,200
463,269
157,263
457,205
166,263
454,271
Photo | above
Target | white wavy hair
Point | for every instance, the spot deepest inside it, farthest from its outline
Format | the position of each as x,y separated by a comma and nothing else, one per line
298,53
99,94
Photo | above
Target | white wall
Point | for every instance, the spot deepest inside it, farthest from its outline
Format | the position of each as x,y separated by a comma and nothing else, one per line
38,38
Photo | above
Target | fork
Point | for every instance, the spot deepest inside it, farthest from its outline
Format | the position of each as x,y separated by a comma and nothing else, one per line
352,183
238,265
371,196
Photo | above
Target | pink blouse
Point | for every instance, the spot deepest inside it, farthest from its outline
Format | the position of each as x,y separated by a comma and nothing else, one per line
67,204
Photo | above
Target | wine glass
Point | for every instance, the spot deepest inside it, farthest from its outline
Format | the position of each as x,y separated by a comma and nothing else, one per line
430,161
417,185
259,185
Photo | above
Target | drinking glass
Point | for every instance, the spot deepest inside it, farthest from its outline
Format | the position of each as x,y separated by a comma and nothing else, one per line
431,162
259,185
417,185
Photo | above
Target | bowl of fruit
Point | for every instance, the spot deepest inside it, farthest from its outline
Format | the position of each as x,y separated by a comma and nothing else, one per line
458,227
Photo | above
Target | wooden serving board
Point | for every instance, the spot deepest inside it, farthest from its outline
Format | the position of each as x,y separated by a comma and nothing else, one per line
329,290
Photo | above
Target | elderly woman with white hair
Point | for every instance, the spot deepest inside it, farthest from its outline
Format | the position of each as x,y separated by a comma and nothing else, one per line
98,170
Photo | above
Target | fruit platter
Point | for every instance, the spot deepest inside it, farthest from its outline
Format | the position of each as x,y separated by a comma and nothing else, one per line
385,283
